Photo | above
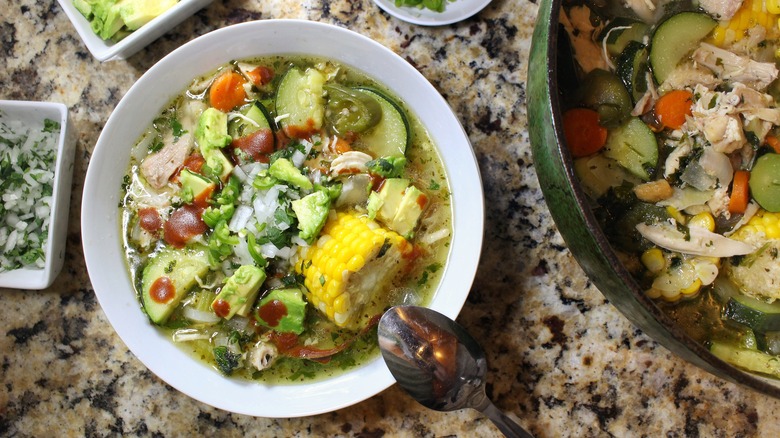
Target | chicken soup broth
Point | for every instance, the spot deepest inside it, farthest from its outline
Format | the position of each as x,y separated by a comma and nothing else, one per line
673,124
275,208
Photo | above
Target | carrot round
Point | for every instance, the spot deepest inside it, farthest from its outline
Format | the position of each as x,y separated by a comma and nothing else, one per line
773,142
227,91
740,192
583,133
672,107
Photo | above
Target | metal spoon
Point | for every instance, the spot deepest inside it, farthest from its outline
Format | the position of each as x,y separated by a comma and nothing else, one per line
438,363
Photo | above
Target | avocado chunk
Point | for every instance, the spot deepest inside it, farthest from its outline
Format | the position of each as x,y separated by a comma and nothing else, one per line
167,277
282,310
136,13
239,292
195,187
409,211
390,195
312,212
283,169
211,135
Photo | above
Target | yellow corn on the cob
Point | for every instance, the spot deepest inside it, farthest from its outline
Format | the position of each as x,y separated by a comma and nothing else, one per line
757,274
354,258
763,222
751,13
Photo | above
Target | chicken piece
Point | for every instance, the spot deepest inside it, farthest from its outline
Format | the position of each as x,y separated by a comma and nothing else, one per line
654,191
734,68
688,75
263,355
581,31
158,167
724,132
721,9
350,162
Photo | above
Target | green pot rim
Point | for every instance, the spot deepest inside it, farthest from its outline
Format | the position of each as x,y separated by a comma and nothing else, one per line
575,220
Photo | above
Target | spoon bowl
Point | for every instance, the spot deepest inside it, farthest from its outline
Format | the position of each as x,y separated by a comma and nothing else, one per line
438,363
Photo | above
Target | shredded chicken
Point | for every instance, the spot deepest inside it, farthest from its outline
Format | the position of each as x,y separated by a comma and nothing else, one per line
350,162
262,355
581,32
698,241
734,68
722,9
158,167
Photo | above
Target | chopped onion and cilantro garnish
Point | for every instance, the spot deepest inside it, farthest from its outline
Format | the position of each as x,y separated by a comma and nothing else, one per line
27,158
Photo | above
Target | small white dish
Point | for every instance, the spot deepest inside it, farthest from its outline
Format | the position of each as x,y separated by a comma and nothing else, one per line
32,114
100,216
107,50
454,11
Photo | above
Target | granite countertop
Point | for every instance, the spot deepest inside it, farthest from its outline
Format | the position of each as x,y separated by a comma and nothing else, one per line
560,356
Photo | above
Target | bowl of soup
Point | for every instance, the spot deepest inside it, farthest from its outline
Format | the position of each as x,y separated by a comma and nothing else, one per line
257,200
659,125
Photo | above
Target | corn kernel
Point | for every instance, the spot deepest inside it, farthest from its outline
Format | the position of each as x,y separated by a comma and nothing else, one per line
653,293
653,259
703,220
693,288
676,215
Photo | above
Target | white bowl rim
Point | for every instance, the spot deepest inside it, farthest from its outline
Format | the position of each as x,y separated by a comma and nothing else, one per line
37,279
454,11
100,225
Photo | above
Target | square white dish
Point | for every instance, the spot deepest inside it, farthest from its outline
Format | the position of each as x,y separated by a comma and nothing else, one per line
107,50
33,114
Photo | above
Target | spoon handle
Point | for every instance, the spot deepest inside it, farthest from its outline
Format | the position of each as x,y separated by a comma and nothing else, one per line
506,425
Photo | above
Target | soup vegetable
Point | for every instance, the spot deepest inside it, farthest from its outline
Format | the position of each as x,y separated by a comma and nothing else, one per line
275,208
673,125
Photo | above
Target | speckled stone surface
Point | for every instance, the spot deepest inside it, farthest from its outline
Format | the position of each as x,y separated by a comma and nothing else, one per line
561,358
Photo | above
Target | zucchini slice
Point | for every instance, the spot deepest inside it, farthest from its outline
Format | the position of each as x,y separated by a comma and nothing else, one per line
300,102
391,135
751,360
758,315
632,69
621,31
634,146
676,37
256,117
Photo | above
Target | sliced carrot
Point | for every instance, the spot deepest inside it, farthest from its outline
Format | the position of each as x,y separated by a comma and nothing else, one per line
227,91
672,107
583,133
740,192
773,142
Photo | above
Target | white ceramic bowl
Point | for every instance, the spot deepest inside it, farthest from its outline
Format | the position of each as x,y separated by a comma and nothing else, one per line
454,11
32,114
106,50
136,110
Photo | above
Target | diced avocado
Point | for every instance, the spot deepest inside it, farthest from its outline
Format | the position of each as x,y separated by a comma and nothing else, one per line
168,276
239,292
409,211
390,194
283,169
85,7
211,136
374,204
195,187
111,24
312,212
136,13
283,310
388,167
